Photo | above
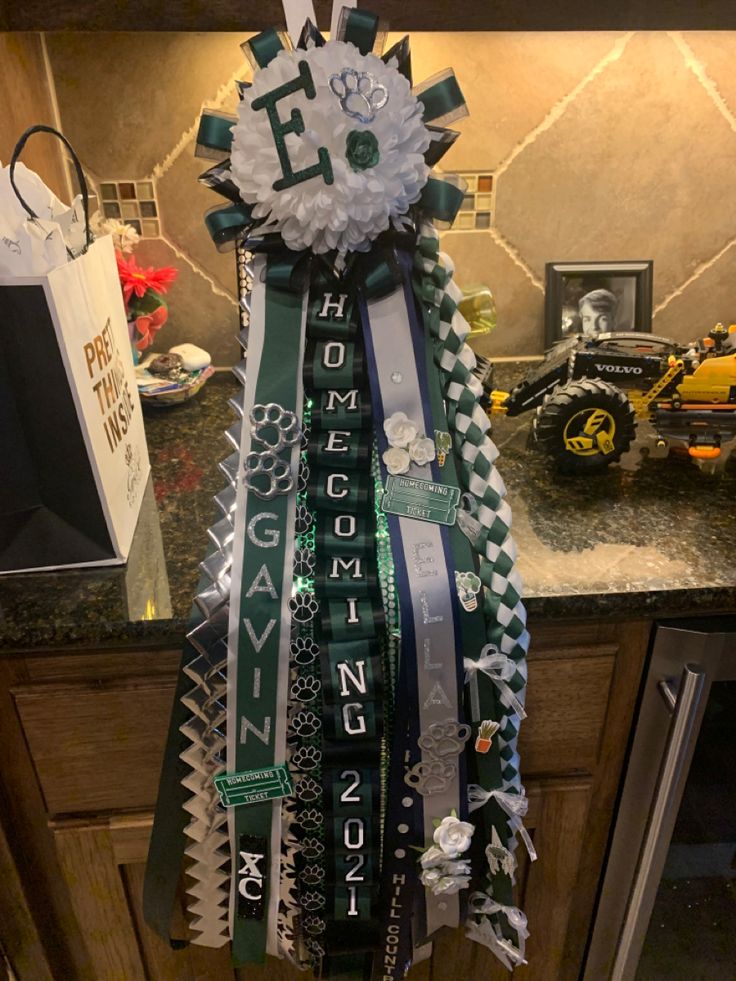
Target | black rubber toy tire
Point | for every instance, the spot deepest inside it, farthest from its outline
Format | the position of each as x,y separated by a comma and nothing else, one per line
567,400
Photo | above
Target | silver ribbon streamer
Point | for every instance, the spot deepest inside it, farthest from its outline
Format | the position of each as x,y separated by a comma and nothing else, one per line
431,590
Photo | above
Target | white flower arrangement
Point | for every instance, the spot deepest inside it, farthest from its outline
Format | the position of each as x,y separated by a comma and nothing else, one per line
443,870
406,446
365,115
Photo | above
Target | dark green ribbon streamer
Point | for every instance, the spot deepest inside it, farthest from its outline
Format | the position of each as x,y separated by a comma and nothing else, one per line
225,225
215,132
441,98
360,29
265,46
441,200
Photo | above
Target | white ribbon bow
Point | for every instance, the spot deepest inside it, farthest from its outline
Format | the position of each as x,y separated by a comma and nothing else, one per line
500,669
515,806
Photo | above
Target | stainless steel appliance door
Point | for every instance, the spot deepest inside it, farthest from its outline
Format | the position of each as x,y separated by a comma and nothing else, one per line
684,665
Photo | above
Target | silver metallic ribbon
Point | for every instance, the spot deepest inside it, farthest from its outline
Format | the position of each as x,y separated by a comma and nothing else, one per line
431,590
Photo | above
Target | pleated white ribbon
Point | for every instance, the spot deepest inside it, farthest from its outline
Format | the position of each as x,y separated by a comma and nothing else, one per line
500,669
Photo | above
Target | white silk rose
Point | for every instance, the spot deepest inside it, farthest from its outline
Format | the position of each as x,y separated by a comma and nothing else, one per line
397,460
448,885
364,117
432,857
399,429
430,878
422,450
453,836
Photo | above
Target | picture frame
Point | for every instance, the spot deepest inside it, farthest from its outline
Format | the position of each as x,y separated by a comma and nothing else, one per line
620,298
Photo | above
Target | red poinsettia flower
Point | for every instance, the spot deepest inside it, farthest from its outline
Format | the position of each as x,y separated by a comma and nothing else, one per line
136,281
148,324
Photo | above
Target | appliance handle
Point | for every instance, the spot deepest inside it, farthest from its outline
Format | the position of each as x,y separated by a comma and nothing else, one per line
681,738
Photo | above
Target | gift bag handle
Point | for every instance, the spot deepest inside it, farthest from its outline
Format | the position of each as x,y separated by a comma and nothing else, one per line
19,147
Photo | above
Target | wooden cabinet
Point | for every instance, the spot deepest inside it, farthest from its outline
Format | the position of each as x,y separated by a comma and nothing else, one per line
86,733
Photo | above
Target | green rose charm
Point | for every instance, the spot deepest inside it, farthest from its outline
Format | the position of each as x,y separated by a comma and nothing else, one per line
362,149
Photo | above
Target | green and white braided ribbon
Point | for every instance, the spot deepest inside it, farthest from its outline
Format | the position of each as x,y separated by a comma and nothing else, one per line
488,523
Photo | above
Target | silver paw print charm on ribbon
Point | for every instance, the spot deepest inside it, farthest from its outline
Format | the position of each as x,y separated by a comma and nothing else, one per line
430,777
440,743
276,429
274,426
267,475
361,95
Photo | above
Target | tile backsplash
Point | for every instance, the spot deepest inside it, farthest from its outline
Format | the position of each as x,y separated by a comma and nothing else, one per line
579,146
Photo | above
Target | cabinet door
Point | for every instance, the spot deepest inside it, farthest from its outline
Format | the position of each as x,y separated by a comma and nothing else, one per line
103,865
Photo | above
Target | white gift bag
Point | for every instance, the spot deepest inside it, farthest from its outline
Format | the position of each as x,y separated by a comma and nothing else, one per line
73,455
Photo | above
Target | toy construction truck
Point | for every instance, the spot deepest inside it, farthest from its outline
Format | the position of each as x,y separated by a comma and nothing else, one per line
590,392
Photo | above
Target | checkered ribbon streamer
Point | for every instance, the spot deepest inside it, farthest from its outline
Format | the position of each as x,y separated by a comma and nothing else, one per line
487,516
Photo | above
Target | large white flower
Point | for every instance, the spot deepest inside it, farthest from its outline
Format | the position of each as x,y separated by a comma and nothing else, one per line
453,836
399,429
375,178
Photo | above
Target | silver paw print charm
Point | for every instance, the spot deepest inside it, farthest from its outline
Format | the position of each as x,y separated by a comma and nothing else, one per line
361,95
276,429
274,426
267,475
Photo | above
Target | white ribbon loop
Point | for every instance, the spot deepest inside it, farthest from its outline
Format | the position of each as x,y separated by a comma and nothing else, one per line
515,806
486,933
479,902
500,669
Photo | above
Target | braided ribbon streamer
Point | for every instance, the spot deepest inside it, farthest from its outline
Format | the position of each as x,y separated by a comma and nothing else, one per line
487,524
500,669
470,426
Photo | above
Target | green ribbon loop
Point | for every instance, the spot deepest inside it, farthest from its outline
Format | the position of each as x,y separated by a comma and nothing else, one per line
289,270
264,47
443,98
441,200
379,272
361,28
215,132
225,225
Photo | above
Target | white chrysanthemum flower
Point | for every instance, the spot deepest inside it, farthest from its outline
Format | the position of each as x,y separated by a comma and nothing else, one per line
397,460
376,177
399,429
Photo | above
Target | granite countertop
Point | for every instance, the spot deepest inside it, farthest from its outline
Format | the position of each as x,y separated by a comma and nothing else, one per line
649,537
